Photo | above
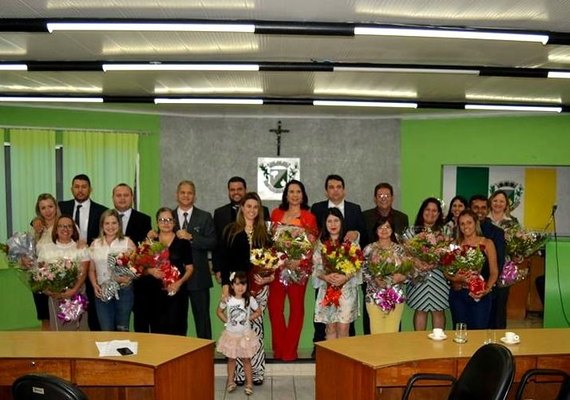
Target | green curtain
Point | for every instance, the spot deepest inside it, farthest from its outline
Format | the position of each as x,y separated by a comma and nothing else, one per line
33,172
108,158
3,216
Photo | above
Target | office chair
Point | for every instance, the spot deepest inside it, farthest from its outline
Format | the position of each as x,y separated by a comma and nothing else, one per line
563,393
45,387
488,375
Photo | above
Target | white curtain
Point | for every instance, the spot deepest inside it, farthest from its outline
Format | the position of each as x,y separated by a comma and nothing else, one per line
32,172
108,158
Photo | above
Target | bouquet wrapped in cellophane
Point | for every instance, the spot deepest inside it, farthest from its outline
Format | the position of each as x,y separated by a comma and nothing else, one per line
120,265
468,260
343,258
425,245
521,242
511,274
151,254
266,260
381,265
297,244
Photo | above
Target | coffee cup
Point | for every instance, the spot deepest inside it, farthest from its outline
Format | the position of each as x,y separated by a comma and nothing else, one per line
438,333
511,337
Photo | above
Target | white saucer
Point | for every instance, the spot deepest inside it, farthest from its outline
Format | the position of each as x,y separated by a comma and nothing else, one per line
505,341
437,338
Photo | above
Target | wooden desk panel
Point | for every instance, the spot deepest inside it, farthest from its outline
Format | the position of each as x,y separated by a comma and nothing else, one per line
378,366
165,368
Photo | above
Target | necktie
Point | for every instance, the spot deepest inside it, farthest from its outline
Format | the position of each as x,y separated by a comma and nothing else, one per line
123,223
77,217
185,224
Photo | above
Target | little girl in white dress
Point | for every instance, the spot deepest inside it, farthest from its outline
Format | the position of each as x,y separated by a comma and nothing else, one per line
238,340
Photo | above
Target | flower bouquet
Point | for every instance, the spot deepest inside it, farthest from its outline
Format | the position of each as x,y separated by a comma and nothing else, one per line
55,276
20,249
523,243
345,258
119,265
382,264
511,274
425,245
466,259
297,244
266,261
151,254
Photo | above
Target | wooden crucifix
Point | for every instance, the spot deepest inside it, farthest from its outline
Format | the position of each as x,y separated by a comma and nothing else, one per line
278,133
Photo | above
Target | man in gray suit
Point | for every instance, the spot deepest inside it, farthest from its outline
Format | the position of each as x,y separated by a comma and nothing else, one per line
197,226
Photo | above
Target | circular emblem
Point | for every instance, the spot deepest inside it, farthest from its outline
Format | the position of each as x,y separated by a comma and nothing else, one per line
513,190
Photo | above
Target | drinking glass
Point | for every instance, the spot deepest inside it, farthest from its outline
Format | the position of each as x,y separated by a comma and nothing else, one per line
460,332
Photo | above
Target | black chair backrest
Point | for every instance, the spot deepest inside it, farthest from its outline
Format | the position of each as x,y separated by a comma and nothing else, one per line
488,375
563,393
45,387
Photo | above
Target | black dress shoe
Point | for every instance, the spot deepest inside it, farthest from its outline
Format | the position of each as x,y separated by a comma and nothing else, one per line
240,383
258,382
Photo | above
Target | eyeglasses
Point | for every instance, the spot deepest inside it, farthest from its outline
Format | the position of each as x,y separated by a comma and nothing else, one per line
384,196
65,227
166,220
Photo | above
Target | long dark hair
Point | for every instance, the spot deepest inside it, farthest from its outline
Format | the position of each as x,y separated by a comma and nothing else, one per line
459,198
325,234
240,277
304,202
420,217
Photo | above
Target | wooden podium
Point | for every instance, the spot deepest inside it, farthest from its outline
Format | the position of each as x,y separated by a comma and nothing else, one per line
165,368
378,366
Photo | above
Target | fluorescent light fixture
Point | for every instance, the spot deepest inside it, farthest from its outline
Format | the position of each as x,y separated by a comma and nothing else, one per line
496,107
558,74
408,70
180,67
387,104
451,34
148,26
13,67
24,99
159,100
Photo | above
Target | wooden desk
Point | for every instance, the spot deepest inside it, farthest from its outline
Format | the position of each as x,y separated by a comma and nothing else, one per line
165,368
378,366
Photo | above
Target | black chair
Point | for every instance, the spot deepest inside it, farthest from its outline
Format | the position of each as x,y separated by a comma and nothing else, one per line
563,393
45,387
488,375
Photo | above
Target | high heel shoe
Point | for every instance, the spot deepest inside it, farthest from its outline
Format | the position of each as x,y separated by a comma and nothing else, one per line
248,390
231,387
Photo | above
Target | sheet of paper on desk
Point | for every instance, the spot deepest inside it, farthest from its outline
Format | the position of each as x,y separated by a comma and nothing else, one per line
110,348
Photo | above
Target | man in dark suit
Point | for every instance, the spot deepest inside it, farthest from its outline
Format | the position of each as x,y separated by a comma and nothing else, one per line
478,204
227,214
353,222
197,226
384,197
86,214
136,226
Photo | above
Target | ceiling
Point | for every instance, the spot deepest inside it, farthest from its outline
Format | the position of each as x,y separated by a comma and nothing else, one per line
67,63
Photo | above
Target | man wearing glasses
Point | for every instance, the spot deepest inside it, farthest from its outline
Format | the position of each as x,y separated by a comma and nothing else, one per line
384,197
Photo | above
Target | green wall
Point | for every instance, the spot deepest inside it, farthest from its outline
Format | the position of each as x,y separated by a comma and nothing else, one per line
16,305
427,145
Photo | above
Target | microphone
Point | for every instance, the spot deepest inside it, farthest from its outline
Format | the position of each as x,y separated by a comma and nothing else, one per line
554,208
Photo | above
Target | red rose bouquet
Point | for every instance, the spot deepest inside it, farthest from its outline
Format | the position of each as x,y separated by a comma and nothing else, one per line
466,259
151,254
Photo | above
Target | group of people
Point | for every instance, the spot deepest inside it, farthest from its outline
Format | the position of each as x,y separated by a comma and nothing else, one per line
88,232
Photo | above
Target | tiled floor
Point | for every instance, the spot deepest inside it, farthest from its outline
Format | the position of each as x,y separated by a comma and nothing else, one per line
287,381
296,381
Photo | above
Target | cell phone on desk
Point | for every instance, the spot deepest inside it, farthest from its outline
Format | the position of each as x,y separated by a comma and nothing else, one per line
124,351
